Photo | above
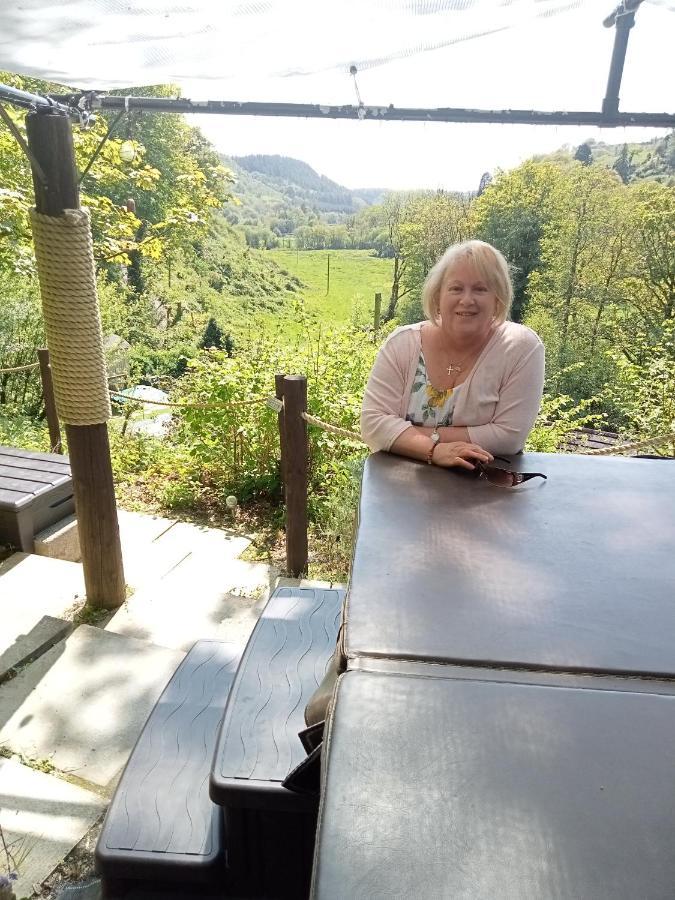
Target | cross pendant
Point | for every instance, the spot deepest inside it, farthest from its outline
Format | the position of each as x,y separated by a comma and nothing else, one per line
452,369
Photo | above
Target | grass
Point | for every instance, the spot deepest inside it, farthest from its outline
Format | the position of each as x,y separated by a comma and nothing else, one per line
355,278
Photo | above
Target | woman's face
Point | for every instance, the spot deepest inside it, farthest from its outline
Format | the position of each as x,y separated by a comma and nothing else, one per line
467,306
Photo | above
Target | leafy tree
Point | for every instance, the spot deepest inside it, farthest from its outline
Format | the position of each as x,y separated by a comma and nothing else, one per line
511,215
212,337
584,154
623,165
432,223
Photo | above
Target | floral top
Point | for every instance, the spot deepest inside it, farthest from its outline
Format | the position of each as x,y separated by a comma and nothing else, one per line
427,406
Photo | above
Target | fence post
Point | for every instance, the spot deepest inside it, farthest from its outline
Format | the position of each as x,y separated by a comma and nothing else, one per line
50,402
378,310
296,474
279,393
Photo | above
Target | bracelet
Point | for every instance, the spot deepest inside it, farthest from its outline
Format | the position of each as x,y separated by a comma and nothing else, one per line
435,438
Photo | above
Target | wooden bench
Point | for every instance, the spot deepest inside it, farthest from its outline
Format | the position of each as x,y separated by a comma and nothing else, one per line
161,824
271,830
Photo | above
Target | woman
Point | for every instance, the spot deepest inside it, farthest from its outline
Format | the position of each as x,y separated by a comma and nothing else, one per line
466,383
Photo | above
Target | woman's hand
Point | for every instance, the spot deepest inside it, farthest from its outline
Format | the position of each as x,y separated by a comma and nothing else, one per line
460,454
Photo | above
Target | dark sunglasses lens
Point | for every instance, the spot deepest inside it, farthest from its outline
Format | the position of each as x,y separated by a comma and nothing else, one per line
497,476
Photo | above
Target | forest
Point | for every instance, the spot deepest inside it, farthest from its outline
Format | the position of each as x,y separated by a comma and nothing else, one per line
214,279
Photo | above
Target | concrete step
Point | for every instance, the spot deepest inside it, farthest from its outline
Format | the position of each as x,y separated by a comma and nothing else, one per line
203,597
82,704
152,546
44,816
32,587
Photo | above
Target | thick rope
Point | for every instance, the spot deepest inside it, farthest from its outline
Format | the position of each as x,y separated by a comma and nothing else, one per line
187,405
333,429
65,262
635,445
20,368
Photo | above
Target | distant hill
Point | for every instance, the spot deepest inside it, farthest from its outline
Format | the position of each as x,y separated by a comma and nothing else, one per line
285,192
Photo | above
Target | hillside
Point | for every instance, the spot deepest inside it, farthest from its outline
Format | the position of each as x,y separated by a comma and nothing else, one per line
281,192
652,161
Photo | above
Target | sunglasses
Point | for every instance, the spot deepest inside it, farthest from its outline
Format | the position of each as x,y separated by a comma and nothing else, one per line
502,477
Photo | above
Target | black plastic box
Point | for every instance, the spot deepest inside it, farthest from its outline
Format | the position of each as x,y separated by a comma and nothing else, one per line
36,490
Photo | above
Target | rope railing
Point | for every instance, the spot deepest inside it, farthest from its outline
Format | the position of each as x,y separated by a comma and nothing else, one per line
656,441
333,429
20,368
140,400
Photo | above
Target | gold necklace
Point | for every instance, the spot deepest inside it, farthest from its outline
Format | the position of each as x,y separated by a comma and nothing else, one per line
457,367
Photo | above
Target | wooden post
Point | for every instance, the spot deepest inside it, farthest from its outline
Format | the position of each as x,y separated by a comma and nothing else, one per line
50,403
296,474
51,142
378,310
279,393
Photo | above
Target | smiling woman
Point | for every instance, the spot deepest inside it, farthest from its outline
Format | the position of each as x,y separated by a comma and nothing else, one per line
466,383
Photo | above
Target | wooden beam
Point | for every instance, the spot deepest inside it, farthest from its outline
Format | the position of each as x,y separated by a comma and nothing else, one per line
50,140
50,402
296,473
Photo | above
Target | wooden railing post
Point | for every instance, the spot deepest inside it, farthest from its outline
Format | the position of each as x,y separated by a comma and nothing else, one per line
50,402
50,140
295,471
378,311
279,393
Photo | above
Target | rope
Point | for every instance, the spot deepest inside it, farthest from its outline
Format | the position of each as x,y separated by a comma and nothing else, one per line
188,405
20,368
352,435
65,262
635,445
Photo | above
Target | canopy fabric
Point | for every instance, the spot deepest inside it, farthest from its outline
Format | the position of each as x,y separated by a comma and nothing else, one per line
546,54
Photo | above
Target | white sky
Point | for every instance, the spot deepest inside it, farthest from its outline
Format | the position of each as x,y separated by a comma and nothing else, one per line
559,62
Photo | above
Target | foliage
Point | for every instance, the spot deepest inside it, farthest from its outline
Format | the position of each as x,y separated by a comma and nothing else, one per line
432,223
559,415
234,449
644,387
511,214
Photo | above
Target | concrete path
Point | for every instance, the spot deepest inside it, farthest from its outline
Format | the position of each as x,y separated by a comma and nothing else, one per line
32,587
42,818
82,705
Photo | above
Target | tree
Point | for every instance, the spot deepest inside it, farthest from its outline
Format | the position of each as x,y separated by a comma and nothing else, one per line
485,182
623,165
511,215
584,154
212,337
432,223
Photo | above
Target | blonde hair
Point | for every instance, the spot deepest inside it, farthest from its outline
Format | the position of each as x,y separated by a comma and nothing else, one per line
491,266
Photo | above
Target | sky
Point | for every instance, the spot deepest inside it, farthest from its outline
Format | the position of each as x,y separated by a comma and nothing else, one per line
558,62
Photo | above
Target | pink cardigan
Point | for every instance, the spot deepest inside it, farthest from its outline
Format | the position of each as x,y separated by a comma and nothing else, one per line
498,402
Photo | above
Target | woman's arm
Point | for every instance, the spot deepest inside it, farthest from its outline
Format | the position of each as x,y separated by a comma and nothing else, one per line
416,444
381,422
517,407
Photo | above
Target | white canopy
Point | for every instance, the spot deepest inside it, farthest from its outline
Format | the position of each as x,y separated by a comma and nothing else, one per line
546,54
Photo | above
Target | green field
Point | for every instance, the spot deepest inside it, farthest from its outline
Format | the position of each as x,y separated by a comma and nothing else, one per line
355,278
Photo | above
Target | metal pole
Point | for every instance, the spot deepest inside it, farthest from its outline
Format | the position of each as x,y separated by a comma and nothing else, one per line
376,113
624,23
